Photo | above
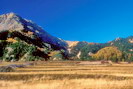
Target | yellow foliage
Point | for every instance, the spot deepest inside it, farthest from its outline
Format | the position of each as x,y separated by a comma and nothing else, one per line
11,40
108,53
54,53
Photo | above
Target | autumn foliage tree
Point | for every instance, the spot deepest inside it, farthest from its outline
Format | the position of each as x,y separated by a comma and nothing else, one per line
108,53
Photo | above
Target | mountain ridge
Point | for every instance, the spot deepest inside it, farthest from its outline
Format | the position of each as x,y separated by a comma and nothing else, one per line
36,42
12,21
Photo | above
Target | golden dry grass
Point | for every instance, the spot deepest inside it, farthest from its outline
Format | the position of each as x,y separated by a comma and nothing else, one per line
69,75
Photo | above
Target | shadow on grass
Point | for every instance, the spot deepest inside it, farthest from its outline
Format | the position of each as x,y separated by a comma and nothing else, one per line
26,77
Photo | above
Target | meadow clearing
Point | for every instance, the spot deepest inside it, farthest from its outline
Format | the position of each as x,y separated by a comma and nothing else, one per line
68,75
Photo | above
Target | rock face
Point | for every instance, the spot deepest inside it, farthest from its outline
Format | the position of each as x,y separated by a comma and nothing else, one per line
131,40
13,22
72,43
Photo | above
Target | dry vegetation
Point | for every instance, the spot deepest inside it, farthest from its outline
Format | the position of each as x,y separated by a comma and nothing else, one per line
69,75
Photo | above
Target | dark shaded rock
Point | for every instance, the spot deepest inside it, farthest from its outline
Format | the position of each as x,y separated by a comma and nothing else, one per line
6,69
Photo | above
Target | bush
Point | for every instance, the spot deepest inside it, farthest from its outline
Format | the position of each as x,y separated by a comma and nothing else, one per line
108,53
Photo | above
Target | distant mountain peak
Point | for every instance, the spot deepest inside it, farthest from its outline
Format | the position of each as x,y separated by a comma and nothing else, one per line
10,16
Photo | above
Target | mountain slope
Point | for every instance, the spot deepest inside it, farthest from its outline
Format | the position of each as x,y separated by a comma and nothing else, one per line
11,21
21,39
84,50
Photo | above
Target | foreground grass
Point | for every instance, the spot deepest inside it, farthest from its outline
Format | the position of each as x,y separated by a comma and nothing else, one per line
69,75
70,84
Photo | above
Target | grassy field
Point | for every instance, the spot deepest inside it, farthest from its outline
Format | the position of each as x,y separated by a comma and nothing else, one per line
68,75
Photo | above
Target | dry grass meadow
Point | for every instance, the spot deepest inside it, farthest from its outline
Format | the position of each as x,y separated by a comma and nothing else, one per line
68,75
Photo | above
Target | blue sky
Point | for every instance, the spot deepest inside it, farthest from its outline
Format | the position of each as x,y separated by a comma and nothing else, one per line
77,20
